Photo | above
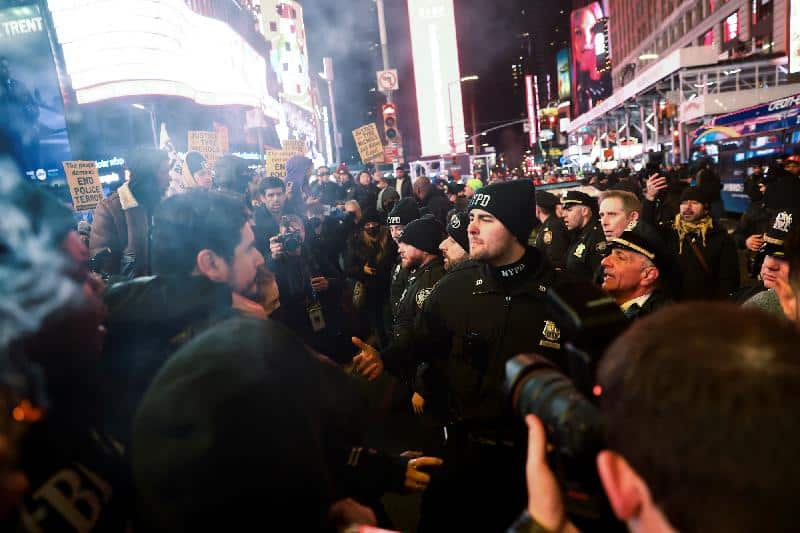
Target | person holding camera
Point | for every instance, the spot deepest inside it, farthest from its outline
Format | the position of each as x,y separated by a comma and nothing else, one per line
675,457
271,194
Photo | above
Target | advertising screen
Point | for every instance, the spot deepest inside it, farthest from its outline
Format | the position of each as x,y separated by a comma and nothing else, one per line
435,54
591,77
156,47
562,69
32,125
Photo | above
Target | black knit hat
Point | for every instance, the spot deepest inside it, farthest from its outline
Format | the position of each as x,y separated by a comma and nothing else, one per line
457,229
694,193
404,212
195,162
424,233
513,203
546,199
370,214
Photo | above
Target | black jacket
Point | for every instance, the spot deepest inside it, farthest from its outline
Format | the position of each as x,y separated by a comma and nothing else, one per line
585,253
149,319
264,229
436,204
471,325
717,275
657,300
398,284
398,356
552,239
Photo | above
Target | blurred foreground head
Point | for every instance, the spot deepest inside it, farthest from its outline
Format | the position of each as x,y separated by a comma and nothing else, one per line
49,313
702,413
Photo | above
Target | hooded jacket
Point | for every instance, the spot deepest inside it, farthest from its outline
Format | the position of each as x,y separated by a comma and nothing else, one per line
296,169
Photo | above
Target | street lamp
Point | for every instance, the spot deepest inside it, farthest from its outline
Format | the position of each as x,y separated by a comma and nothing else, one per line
450,107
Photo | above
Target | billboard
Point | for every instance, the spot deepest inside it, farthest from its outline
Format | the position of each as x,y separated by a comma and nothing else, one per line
436,69
794,36
32,124
591,55
156,47
562,72
283,26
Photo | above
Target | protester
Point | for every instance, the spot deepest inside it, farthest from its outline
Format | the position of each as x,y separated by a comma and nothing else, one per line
122,221
273,205
431,200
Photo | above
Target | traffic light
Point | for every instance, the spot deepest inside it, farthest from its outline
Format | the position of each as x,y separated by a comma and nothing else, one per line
389,113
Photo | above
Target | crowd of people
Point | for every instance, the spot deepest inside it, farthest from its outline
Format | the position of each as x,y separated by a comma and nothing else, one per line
239,354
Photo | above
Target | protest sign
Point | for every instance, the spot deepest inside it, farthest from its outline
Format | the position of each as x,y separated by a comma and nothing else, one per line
295,146
276,162
205,142
369,143
84,184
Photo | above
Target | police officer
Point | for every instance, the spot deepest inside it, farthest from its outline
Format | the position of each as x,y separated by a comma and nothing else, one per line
552,238
589,244
403,213
455,247
479,315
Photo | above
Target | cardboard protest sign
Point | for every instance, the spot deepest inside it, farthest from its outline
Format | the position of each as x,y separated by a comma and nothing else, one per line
295,146
84,184
369,143
223,144
276,162
206,143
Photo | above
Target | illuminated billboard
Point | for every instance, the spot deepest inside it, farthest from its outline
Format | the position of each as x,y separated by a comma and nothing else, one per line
282,24
591,56
435,53
563,77
156,47
794,37
32,124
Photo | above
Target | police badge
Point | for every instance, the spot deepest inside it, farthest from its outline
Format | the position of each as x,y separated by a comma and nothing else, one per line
552,335
422,295
547,236
579,250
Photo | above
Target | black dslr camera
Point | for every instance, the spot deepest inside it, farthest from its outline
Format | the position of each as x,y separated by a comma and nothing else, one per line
567,403
290,238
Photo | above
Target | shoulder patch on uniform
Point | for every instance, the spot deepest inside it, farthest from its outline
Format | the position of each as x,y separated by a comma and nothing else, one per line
579,250
422,295
547,236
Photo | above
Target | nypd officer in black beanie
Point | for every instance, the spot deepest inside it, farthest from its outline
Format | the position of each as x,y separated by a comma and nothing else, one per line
403,213
478,316
552,237
588,247
455,246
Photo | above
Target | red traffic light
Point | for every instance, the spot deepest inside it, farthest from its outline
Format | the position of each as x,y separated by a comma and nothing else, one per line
389,110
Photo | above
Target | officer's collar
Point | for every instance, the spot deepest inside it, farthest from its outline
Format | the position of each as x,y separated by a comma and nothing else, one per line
523,276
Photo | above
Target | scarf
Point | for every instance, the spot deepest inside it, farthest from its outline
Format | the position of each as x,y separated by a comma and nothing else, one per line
686,228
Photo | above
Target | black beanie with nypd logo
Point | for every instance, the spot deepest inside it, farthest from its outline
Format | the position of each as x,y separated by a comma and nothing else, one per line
404,212
512,202
424,233
457,229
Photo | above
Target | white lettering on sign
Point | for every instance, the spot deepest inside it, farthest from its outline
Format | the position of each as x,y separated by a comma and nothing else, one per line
783,103
23,26
481,199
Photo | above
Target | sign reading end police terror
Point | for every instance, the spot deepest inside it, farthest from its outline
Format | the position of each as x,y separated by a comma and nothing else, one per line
369,143
84,184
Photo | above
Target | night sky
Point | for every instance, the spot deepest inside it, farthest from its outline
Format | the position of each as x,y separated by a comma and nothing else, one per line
488,42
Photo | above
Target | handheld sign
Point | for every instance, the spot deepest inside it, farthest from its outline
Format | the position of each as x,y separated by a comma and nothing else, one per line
369,144
84,184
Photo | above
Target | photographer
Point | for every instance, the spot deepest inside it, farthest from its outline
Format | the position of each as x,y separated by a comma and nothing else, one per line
677,458
310,289
271,194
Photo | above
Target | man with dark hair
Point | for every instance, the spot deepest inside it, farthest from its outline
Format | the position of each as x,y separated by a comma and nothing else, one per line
589,244
711,451
552,238
204,260
271,194
431,199
122,221
706,254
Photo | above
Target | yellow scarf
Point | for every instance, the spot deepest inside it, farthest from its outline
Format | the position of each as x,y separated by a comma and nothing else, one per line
685,228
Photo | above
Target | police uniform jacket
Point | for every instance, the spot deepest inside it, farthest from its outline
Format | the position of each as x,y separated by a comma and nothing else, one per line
397,285
552,239
584,255
398,357
471,325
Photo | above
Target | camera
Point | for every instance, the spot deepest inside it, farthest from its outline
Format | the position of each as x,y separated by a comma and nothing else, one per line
290,241
566,403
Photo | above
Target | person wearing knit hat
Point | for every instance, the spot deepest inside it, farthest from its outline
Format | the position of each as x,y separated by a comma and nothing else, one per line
706,254
552,237
404,212
473,186
420,242
196,171
455,246
589,244
476,318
